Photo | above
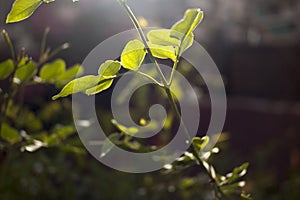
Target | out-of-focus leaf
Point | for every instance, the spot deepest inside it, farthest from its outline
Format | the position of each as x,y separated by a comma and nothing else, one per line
6,68
26,70
9,134
69,75
200,143
124,129
50,72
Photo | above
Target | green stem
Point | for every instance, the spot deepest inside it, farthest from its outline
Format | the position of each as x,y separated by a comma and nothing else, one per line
166,86
144,40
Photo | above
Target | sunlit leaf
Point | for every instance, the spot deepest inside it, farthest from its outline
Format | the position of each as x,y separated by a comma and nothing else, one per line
133,55
185,26
109,69
103,85
22,9
200,143
162,37
6,68
78,85
163,52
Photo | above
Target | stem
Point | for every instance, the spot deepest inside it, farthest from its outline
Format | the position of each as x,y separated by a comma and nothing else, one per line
166,86
144,40
10,91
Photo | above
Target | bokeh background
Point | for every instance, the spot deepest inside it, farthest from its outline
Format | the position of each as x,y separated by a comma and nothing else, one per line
255,44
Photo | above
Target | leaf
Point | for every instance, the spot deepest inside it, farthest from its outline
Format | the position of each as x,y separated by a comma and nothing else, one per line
22,9
163,52
200,143
109,69
133,55
104,85
6,68
237,173
9,134
78,85
124,129
69,75
186,26
162,37
26,71
51,71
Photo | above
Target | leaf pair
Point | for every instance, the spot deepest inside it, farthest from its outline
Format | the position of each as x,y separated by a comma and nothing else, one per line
56,73
92,84
25,70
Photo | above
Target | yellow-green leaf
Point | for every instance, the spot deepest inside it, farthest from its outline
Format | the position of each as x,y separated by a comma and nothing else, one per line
50,72
133,55
78,85
109,69
186,25
6,68
103,85
163,52
22,9
69,75
162,37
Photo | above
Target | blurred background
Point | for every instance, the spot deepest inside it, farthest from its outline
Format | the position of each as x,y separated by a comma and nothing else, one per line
256,46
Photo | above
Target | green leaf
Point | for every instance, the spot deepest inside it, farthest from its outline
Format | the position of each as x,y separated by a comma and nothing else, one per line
9,134
78,85
103,85
133,55
6,68
200,143
124,129
186,25
22,9
237,173
162,37
50,72
163,52
26,70
109,69
69,75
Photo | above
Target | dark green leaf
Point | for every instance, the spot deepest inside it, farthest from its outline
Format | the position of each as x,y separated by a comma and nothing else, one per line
109,143
9,134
